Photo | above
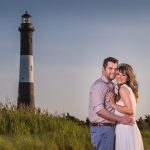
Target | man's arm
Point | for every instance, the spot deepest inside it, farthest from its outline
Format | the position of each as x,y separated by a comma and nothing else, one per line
109,116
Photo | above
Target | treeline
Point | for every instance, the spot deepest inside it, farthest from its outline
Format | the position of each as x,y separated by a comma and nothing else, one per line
144,124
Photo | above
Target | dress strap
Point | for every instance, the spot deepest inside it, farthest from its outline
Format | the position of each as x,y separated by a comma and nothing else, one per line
125,85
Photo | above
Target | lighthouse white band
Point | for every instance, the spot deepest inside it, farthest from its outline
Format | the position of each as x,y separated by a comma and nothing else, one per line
26,68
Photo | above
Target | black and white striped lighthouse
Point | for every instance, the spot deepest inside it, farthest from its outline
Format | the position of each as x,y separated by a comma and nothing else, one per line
26,78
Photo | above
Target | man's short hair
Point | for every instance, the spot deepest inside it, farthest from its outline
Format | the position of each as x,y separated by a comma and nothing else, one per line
109,59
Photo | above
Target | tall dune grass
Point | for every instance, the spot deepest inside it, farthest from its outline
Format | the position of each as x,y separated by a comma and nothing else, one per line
22,129
25,130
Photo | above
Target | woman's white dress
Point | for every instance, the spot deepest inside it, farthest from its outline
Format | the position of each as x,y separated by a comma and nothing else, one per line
128,137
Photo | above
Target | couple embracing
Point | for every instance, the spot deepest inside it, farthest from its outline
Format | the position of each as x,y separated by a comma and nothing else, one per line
112,115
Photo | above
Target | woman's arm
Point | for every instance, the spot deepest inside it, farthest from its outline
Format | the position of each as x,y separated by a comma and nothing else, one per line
125,97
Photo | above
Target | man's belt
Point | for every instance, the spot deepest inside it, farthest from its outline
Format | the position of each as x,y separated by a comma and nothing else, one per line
102,124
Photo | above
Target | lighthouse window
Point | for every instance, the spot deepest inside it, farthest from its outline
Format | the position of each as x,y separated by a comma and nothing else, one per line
31,68
26,20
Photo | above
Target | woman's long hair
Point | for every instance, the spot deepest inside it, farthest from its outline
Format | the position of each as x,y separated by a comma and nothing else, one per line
131,81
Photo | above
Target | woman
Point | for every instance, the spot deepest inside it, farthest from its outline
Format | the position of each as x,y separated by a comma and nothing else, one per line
128,137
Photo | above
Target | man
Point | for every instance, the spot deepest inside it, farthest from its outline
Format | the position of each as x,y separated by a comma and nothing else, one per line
101,114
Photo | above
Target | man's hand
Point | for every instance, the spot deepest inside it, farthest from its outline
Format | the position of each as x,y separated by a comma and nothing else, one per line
127,120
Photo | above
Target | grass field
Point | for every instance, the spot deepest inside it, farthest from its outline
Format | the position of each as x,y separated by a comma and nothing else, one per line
23,130
146,139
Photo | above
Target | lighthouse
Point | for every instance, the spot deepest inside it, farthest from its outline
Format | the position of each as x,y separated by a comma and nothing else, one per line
26,71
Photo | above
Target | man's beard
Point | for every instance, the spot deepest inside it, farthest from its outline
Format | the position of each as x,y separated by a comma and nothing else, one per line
111,76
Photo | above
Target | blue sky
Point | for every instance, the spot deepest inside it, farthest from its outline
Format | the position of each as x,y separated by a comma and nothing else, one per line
71,39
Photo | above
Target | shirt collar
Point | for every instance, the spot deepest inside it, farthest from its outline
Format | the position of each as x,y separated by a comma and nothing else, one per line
105,79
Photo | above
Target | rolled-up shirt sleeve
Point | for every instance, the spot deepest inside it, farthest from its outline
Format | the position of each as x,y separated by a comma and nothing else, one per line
97,93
